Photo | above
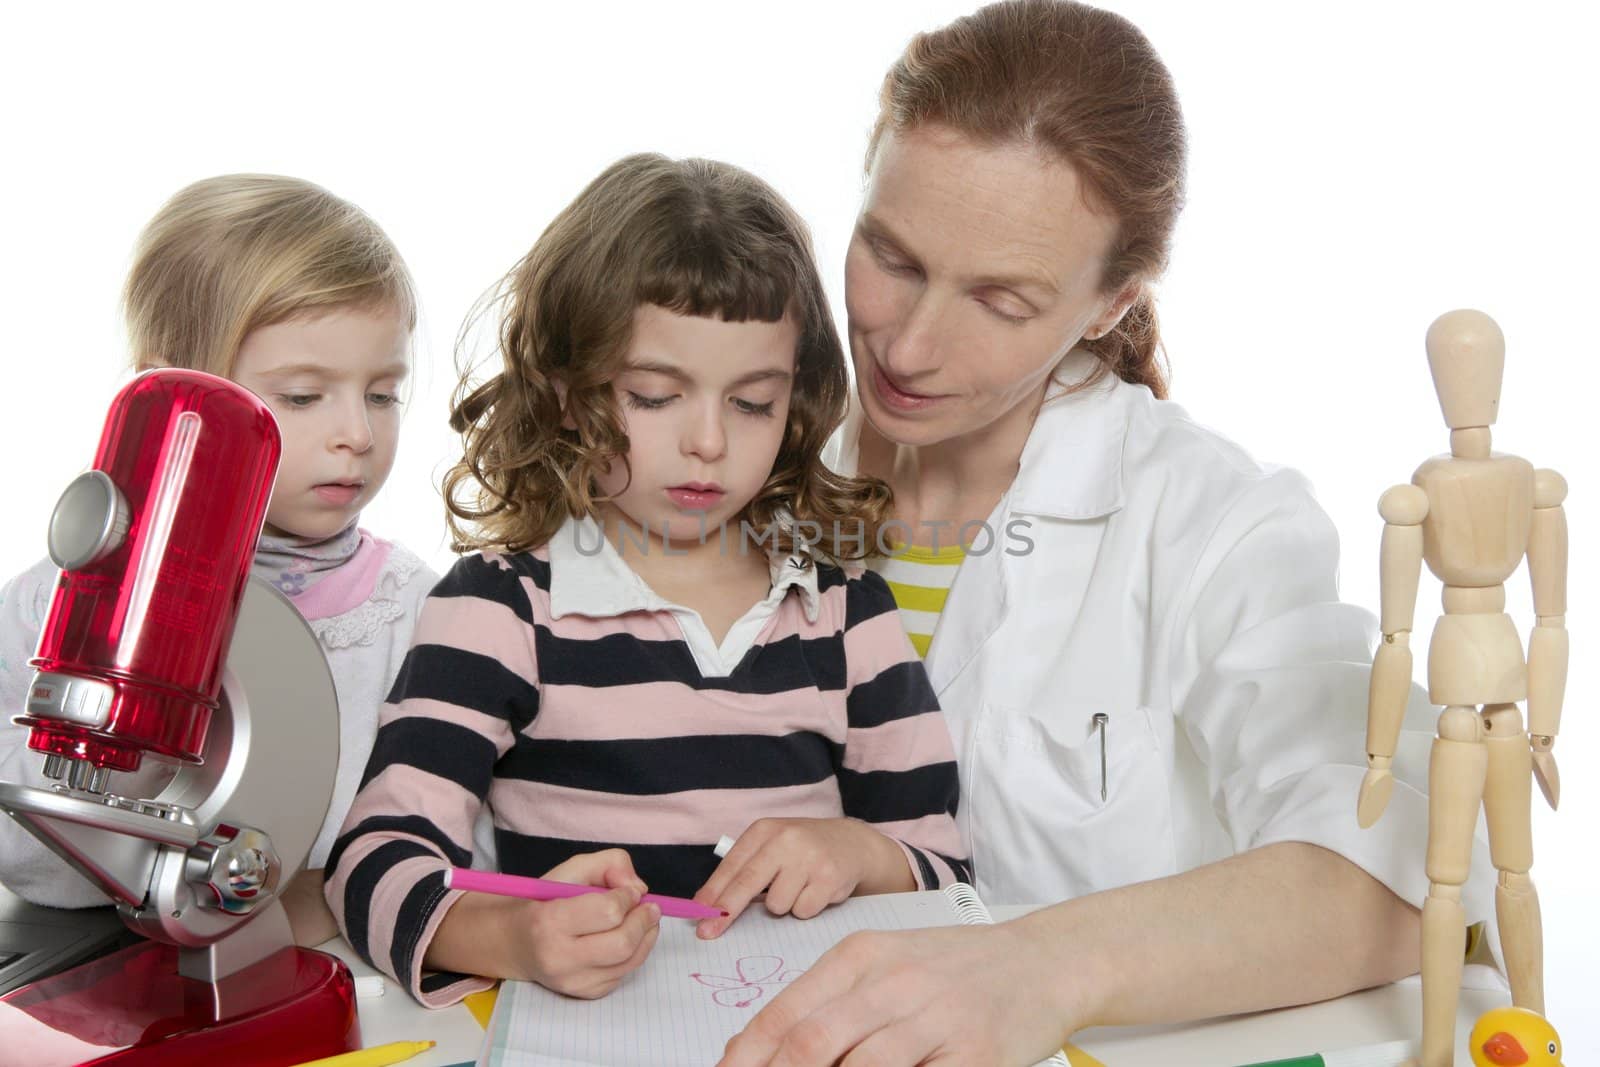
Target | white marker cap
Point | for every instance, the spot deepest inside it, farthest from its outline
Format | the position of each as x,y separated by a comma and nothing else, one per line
724,846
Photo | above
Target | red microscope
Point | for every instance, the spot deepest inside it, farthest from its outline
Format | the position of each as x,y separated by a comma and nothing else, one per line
159,647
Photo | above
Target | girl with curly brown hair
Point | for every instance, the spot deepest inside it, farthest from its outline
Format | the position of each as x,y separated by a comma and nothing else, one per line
666,634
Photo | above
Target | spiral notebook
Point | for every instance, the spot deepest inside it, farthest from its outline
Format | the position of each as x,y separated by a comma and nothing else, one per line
691,996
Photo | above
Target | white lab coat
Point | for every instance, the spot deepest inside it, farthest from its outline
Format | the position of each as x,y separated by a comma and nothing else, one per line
1190,594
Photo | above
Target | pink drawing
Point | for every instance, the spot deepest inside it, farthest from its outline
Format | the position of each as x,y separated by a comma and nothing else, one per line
755,973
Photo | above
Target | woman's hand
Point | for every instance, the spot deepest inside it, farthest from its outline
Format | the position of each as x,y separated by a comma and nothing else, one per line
953,995
1246,933
804,865
581,946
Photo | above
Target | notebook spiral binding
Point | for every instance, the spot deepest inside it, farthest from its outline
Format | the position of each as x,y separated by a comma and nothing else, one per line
967,905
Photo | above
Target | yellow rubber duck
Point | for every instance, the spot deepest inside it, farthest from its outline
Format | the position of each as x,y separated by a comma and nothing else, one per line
1514,1037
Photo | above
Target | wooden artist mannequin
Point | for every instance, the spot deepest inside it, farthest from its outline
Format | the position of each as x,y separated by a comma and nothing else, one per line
1472,515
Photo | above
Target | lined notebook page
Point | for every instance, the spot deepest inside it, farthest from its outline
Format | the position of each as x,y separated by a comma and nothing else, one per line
680,1008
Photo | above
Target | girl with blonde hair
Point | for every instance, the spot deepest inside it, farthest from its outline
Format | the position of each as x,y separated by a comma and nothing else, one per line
300,297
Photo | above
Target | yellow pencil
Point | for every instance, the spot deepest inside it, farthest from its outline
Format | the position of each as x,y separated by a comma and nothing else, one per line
377,1056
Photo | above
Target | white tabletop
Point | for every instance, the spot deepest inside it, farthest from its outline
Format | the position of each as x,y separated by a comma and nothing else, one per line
394,1016
1388,1013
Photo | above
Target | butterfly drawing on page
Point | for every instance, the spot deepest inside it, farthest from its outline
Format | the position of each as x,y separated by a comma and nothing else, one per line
755,975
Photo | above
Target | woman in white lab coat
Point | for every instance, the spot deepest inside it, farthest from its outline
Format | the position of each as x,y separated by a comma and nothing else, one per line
1199,843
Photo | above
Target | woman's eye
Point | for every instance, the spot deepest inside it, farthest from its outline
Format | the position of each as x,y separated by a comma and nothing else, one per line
1005,316
383,400
750,407
890,263
1004,306
299,400
646,403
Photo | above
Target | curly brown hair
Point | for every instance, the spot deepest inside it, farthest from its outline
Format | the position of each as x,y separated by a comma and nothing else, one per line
694,236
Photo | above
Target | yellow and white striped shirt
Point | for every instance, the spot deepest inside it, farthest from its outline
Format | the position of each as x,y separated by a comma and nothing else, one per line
920,580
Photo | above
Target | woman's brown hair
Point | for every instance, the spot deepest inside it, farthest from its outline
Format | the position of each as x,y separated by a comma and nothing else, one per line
696,237
1084,85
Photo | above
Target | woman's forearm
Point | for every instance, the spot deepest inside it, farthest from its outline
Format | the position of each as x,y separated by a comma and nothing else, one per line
1285,924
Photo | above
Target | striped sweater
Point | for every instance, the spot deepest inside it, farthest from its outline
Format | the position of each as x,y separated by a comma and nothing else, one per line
588,713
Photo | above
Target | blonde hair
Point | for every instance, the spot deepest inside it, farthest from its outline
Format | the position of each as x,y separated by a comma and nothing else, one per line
1088,87
696,237
229,254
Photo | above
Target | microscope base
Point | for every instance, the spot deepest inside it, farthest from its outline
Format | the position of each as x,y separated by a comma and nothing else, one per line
133,1009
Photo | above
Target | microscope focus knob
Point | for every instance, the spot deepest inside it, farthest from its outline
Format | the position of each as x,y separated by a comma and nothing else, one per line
235,869
89,522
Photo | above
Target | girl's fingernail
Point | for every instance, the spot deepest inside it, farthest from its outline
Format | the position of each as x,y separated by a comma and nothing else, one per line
655,912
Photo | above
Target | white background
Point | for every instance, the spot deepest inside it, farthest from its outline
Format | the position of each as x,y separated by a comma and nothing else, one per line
1355,171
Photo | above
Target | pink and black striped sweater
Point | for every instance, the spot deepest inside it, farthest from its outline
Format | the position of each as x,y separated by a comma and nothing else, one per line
587,712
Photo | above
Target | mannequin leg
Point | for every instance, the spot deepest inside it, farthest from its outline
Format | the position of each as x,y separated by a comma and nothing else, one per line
1508,806
1456,771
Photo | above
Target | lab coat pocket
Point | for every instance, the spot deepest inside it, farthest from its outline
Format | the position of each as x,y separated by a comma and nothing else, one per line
1041,828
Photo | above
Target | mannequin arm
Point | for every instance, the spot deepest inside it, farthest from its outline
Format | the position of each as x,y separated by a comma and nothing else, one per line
1547,644
1400,567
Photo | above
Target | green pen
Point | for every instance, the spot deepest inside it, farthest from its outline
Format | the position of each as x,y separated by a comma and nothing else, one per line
1388,1054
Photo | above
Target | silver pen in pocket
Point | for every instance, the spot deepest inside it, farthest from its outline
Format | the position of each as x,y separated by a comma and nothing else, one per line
1100,720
